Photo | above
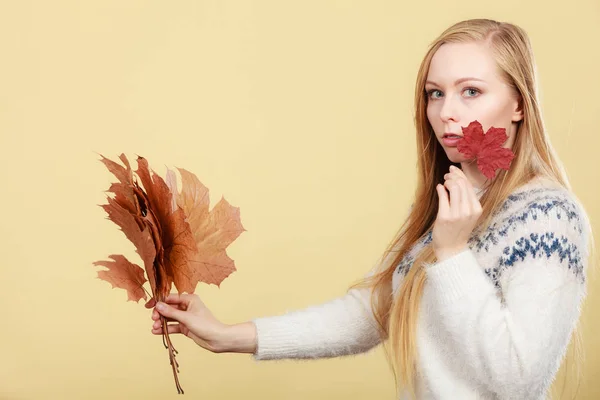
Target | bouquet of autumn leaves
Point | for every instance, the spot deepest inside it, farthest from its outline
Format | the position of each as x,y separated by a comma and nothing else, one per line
178,240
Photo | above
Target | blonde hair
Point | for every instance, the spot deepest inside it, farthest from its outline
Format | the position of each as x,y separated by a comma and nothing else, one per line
534,157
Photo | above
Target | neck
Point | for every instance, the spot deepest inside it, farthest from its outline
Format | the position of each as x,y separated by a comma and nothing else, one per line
473,174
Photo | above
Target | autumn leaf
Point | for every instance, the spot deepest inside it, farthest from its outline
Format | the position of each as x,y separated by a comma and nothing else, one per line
212,231
125,275
124,189
125,211
486,148
179,241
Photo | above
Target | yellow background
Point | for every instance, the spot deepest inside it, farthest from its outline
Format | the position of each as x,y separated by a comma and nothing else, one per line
299,113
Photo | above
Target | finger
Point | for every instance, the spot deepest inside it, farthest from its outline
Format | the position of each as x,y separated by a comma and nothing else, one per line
443,206
181,302
176,298
456,170
169,311
457,173
175,328
449,178
157,317
474,203
158,324
455,197
152,303
472,196
465,206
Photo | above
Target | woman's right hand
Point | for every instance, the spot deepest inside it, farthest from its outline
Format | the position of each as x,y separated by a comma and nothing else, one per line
193,319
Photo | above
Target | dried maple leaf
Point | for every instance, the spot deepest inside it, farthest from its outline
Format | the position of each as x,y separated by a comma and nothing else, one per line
486,148
127,210
125,275
213,231
178,245
178,240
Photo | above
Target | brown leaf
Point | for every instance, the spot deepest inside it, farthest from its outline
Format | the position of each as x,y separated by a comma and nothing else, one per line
124,189
177,240
213,231
125,275
171,181
141,239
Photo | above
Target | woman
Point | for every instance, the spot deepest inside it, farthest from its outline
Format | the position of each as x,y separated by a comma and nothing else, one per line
478,294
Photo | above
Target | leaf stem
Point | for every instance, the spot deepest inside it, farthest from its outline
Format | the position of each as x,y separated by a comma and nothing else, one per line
148,293
172,353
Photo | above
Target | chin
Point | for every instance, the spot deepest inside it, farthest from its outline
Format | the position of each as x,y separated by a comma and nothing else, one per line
454,155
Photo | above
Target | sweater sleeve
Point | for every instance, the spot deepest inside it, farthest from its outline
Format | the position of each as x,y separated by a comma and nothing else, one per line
511,332
343,326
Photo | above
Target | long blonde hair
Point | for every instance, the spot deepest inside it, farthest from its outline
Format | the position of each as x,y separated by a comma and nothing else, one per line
534,156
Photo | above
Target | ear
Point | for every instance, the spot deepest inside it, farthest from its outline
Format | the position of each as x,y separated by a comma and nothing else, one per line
518,111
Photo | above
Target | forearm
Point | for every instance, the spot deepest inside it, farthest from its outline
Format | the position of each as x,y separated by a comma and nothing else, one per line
238,338
349,333
343,326
339,327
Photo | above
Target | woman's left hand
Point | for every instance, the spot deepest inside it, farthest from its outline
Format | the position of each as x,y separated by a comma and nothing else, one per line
457,215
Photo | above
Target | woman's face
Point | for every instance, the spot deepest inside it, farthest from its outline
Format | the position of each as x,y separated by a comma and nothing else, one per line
462,86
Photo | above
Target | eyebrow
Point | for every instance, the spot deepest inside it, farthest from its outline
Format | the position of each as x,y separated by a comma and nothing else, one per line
461,80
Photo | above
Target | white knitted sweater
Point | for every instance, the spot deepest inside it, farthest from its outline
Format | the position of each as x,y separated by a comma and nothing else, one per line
495,320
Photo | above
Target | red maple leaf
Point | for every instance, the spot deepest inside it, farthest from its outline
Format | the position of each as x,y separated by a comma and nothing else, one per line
486,148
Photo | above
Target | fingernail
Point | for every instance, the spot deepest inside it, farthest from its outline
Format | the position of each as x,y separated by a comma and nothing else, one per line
160,306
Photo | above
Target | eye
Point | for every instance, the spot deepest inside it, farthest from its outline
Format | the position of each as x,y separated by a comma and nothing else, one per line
431,92
472,91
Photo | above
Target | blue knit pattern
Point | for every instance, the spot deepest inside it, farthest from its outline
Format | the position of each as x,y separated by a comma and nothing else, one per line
543,201
531,205
538,246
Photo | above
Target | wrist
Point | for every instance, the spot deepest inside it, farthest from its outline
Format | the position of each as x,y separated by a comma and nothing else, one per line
238,338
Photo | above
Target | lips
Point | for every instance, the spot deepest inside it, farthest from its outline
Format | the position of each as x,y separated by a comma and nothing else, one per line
451,135
451,140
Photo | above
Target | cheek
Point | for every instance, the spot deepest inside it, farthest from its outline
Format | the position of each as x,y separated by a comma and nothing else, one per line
486,109
489,114
431,116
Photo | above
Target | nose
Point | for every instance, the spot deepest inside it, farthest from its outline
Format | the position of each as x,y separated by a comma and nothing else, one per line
448,110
